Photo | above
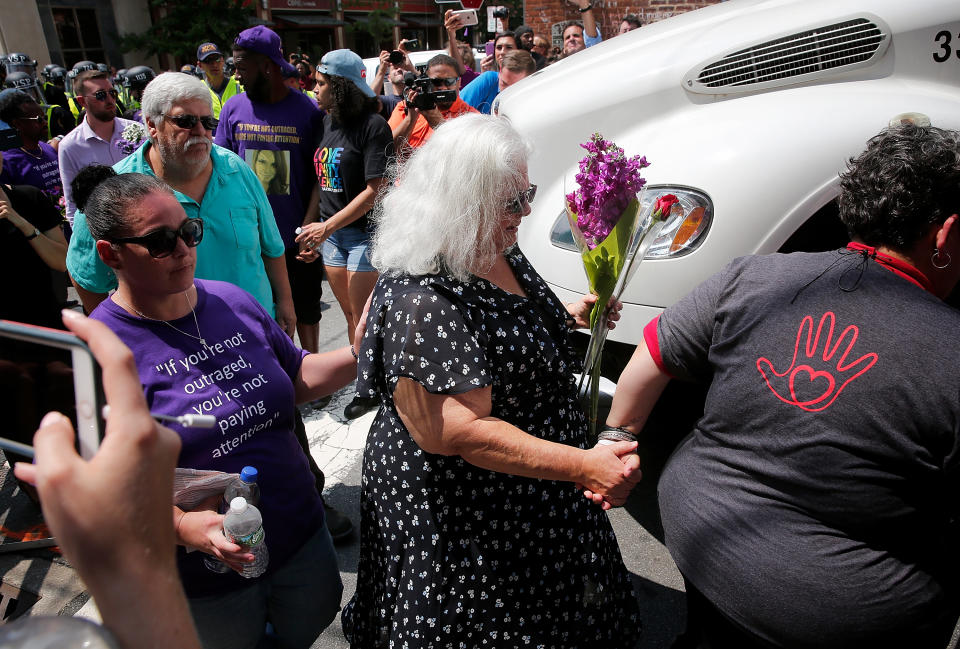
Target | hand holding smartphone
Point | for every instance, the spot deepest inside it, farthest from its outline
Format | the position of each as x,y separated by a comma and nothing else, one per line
44,370
467,17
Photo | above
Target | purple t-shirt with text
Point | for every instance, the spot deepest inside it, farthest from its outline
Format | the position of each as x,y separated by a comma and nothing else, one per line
39,169
243,376
277,141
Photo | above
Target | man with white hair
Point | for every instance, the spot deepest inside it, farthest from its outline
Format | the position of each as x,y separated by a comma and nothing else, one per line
241,242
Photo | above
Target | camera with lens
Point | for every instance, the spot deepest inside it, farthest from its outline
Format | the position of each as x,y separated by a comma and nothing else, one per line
502,12
396,57
427,98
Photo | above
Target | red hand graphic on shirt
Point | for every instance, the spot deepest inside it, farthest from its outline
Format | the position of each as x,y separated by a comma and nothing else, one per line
813,382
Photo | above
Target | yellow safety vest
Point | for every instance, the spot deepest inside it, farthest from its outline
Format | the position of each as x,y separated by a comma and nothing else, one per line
233,88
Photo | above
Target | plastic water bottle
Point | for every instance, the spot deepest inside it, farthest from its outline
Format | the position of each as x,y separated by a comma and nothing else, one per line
247,488
243,525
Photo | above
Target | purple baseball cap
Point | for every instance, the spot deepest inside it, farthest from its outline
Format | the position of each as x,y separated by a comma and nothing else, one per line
263,40
346,64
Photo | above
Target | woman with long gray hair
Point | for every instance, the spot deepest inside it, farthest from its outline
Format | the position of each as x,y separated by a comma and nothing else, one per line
472,526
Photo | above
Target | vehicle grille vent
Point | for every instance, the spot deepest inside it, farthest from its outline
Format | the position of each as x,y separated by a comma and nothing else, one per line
778,62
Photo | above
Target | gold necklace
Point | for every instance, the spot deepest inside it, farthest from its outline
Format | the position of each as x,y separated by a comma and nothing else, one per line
33,155
199,336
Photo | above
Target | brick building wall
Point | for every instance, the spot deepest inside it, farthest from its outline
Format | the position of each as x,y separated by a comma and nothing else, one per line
542,15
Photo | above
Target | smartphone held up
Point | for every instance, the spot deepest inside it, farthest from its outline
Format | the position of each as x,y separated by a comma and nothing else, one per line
42,370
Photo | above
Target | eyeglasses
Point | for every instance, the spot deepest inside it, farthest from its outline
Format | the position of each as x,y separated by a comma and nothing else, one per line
187,122
101,95
213,58
38,118
444,81
523,198
161,243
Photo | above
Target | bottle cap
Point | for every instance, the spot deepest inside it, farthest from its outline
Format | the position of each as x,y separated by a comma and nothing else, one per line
238,505
249,474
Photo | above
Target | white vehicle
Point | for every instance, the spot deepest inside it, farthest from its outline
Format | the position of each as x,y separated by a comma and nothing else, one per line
748,109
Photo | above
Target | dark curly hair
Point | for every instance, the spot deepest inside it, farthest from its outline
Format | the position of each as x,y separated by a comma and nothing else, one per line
11,106
349,103
907,180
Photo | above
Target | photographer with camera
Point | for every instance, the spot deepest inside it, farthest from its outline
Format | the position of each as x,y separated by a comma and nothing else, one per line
429,101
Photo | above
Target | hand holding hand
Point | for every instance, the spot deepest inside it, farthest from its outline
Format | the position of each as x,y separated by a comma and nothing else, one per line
609,473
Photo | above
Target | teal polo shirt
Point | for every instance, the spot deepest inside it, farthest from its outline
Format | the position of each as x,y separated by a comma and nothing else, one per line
238,229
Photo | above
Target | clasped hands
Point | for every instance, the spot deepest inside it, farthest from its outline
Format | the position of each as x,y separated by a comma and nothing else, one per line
610,472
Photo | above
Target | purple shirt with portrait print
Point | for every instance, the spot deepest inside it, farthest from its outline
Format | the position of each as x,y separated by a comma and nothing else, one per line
243,376
291,128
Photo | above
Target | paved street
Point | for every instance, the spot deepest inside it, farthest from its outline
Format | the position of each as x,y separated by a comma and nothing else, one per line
337,446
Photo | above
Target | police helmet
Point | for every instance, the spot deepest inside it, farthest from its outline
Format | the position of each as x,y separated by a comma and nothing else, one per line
20,81
103,67
191,69
57,73
229,66
82,66
20,62
138,77
46,71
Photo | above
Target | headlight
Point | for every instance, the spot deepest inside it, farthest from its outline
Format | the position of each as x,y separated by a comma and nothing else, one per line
681,234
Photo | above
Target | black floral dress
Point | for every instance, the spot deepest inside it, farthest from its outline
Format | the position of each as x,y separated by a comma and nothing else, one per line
452,555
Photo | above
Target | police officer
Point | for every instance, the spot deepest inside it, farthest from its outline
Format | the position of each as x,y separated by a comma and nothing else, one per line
57,118
134,81
222,86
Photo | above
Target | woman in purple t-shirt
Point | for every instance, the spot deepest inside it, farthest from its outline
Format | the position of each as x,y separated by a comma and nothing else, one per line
204,347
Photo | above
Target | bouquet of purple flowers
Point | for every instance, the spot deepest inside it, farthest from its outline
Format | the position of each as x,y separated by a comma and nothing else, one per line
611,234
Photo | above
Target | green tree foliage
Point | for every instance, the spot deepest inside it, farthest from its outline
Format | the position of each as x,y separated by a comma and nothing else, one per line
182,26
378,23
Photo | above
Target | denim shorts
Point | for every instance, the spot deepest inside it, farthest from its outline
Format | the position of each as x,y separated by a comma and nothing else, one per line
348,247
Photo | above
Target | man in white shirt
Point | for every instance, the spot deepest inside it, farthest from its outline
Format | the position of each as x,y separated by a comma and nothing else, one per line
101,138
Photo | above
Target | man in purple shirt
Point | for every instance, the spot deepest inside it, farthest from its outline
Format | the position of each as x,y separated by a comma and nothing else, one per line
101,138
275,130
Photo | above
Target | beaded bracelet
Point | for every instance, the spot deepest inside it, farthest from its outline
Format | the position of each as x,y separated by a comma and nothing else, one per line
614,434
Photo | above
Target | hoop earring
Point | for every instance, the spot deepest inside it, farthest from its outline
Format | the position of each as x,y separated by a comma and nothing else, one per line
935,257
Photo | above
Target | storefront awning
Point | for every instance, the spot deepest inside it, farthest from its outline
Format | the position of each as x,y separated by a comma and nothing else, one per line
312,20
383,19
422,21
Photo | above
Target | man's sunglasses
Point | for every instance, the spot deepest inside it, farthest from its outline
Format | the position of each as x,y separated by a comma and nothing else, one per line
523,198
213,58
444,81
161,243
101,95
38,118
187,122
